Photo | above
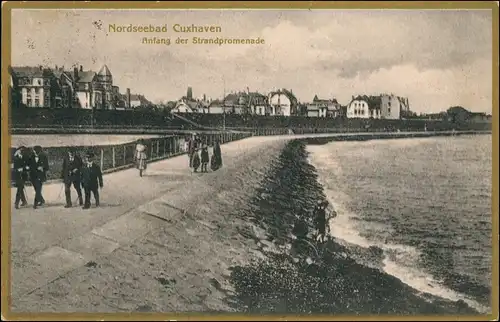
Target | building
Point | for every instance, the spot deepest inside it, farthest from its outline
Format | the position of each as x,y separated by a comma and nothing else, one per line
186,106
88,90
79,88
282,102
323,108
216,107
391,106
405,105
118,101
480,117
65,93
246,103
364,107
105,81
138,100
34,86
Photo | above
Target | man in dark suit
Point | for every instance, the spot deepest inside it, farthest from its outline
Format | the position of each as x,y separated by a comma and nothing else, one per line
38,167
20,175
71,175
91,180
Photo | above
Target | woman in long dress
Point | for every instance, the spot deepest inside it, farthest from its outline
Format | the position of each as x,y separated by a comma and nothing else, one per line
216,161
140,156
196,161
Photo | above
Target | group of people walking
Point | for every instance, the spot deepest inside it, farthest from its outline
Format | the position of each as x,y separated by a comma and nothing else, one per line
32,166
199,156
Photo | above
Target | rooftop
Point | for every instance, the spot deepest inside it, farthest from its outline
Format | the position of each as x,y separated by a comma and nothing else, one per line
104,71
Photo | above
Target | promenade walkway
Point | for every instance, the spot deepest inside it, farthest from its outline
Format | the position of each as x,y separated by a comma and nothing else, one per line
51,241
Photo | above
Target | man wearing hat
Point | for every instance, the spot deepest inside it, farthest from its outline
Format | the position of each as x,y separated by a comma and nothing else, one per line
20,175
91,180
71,175
38,167
320,219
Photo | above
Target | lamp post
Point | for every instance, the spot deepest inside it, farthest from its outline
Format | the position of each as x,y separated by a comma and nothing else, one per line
224,106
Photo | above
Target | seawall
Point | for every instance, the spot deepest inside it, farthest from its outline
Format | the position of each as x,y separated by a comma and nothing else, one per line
301,276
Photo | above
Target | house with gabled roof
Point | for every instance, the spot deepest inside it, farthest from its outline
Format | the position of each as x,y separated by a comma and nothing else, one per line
35,86
185,105
246,103
89,91
364,106
283,102
323,107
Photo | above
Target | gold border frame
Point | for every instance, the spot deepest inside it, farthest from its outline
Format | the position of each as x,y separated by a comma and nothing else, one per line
7,6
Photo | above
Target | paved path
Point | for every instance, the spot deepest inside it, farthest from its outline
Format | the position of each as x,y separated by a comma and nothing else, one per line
52,240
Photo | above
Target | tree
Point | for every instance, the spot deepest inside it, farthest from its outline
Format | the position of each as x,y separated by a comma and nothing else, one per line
457,114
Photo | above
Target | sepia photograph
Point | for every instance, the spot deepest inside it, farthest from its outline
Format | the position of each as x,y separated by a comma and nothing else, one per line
252,161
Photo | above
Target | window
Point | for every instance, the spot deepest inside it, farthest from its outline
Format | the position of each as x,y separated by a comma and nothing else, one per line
389,111
24,92
389,104
37,102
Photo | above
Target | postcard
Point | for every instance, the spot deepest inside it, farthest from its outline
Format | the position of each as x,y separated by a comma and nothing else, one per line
230,160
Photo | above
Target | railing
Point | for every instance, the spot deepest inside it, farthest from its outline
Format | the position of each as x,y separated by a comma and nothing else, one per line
121,156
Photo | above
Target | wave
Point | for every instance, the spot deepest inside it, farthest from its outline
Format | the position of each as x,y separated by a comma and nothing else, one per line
400,261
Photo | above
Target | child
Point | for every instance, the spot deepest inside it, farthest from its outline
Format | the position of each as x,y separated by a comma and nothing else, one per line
204,158
91,180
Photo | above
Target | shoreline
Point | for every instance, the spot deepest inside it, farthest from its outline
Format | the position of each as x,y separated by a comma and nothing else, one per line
377,254
334,282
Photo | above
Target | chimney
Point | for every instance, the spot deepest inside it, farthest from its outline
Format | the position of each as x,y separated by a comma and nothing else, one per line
75,71
41,67
57,68
81,68
204,98
128,97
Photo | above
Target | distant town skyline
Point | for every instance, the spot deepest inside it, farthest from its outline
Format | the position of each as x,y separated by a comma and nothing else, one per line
435,58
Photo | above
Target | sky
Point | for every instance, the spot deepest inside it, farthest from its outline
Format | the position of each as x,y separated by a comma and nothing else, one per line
436,59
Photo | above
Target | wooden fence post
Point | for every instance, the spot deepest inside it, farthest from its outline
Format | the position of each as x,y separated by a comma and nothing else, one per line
157,149
164,147
124,154
114,158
